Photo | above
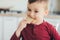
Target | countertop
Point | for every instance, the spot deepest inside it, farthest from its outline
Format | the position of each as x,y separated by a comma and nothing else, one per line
22,14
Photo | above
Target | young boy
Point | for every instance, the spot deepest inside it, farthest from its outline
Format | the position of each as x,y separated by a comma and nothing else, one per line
36,28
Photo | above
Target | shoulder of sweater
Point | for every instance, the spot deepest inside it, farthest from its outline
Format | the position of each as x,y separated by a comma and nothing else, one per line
48,25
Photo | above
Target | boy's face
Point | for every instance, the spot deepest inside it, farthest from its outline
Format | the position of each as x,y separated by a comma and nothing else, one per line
37,10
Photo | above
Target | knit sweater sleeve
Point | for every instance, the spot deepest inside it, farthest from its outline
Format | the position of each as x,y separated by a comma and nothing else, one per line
14,37
54,33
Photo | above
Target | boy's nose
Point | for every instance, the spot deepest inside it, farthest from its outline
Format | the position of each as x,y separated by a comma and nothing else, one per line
31,14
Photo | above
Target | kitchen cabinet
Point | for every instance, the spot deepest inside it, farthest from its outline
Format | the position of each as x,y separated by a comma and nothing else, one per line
53,21
8,25
1,27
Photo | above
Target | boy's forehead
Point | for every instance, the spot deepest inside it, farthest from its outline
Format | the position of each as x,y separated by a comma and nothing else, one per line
36,5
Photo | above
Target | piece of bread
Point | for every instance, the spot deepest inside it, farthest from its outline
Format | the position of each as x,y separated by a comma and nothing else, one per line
29,19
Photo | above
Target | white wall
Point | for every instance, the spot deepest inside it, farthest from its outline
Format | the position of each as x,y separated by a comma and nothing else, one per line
14,4
52,5
22,4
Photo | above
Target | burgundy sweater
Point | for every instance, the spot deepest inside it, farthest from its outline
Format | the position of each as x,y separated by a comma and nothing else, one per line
44,31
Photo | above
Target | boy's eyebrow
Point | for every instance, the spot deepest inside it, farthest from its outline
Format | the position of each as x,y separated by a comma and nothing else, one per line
28,8
34,9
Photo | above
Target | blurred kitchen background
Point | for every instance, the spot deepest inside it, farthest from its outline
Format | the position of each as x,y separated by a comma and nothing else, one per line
11,12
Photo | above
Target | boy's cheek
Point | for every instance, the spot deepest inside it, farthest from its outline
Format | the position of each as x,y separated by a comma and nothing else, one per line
27,13
39,16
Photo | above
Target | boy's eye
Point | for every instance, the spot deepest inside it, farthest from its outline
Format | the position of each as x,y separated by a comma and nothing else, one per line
29,9
36,11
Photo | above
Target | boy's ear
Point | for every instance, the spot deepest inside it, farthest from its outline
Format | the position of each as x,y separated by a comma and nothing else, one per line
46,12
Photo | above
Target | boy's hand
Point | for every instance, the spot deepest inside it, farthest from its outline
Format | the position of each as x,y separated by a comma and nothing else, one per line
21,26
24,22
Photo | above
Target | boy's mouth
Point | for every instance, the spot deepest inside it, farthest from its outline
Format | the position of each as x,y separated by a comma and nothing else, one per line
31,17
